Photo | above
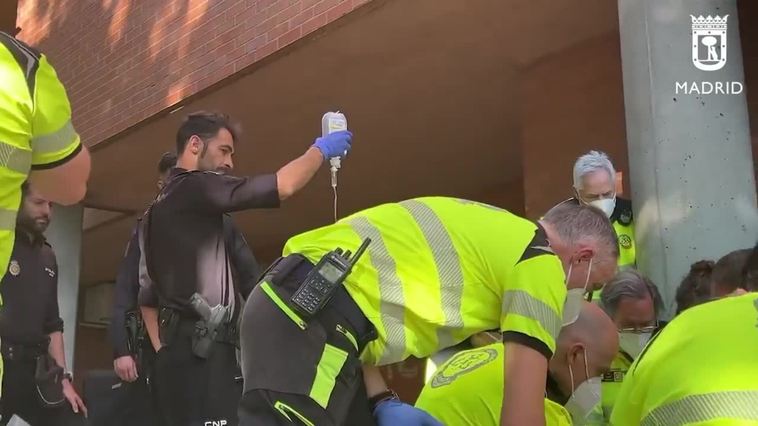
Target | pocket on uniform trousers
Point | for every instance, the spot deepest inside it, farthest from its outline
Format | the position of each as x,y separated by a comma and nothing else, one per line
280,351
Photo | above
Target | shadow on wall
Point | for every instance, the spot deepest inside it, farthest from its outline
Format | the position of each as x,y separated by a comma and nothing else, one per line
124,60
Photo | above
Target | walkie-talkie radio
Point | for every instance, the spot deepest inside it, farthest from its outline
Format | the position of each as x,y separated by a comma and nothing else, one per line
321,282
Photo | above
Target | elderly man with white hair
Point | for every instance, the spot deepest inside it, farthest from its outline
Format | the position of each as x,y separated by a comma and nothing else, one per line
595,185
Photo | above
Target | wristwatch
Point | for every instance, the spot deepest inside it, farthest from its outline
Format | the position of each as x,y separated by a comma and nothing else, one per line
69,376
377,399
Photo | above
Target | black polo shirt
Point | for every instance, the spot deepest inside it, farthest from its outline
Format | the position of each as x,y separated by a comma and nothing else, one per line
30,292
245,268
184,236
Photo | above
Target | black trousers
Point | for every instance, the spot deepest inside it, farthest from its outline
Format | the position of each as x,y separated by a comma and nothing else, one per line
20,398
111,402
193,391
302,376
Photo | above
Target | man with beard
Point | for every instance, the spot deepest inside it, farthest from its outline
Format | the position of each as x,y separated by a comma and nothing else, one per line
35,386
191,287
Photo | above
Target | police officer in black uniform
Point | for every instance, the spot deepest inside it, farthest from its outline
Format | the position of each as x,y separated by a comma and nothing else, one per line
132,402
126,332
132,351
36,386
191,302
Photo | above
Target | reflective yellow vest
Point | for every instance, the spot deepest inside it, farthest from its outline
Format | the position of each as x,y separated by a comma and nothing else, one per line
467,390
439,270
35,129
701,369
612,381
623,223
622,220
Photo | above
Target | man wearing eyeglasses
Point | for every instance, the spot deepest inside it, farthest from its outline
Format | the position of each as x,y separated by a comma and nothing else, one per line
633,303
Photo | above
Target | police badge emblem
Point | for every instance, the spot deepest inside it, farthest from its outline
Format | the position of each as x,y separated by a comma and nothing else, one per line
14,268
625,241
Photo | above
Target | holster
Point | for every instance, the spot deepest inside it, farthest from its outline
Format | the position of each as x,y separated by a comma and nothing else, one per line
136,338
48,376
168,322
202,340
204,337
172,325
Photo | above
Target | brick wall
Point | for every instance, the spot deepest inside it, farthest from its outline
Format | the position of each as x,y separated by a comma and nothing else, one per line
125,60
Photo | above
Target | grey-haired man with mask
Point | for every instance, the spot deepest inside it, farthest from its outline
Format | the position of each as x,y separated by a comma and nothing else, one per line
468,388
633,303
595,185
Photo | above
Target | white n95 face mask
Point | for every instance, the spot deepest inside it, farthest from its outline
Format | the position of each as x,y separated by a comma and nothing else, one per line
574,298
607,205
633,343
585,398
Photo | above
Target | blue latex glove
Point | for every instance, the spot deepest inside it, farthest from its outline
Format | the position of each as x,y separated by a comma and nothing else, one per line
395,413
334,144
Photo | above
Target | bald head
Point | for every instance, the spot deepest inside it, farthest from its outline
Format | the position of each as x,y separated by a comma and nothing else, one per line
594,329
592,337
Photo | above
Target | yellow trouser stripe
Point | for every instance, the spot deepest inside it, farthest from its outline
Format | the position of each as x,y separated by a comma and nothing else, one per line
448,265
286,410
332,360
522,303
742,405
266,287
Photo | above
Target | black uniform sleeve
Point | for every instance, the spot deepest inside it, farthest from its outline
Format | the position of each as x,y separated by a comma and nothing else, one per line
219,193
125,299
53,320
242,258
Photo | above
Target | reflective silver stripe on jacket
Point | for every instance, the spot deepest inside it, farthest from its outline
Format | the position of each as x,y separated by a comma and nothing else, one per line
7,219
56,141
737,405
14,158
392,305
522,303
448,265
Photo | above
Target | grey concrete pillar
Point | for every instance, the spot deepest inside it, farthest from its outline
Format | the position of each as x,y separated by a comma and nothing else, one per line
65,235
688,138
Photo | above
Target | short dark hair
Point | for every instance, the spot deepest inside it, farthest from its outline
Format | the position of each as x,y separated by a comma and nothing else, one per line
167,162
727,274
695,287
629,283
25,188
204,125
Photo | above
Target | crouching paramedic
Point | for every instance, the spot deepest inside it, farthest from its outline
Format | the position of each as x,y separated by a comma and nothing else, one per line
437,270
701,368
468,388
633,302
